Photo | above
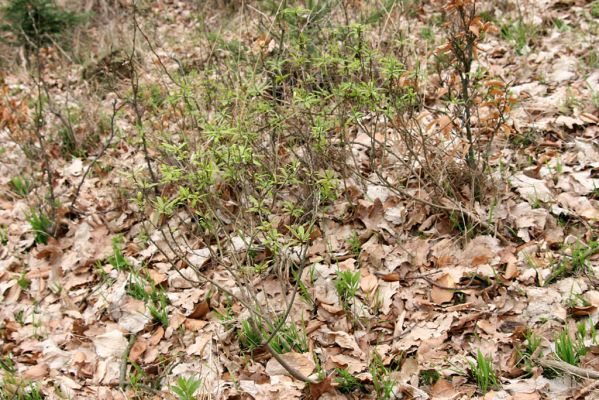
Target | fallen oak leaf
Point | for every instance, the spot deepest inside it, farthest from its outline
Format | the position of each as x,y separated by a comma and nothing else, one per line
200,310
318,389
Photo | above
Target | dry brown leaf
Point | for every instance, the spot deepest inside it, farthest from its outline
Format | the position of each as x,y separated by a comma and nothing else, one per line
439,295
301,362
110,344
138,348
318,389
582,311
444,390
351,364
200,310
580,205
37,372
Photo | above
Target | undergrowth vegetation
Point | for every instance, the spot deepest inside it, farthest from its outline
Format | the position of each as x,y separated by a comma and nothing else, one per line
238,162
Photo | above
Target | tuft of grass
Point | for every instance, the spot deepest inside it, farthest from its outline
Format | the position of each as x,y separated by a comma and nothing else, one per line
250,339
532,342
381,380
578,262
21,186
3,235
117,259
41,225
520,34
186,387
483,373
23,281
569,350
355,246
158,309
347,383
347,285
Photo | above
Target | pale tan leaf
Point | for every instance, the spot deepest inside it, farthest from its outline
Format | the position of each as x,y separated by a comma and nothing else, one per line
439,295
301,362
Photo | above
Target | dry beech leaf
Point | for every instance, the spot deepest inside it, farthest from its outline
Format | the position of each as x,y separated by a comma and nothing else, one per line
439,295
301,362
444,390
351,364
200,310
368,282
582,311
318,389
112,343
138,348
37,372
391,277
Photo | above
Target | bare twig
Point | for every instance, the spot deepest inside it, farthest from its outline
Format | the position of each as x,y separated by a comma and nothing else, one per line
125,361
115,109
568,368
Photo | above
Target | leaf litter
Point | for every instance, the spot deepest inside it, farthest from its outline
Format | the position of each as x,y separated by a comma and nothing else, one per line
427,300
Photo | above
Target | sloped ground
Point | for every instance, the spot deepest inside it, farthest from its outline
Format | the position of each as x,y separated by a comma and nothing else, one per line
428,298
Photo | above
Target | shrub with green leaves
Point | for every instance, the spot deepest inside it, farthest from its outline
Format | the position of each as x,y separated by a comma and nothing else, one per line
35,23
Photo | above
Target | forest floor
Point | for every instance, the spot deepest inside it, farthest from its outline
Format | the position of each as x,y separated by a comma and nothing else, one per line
388,293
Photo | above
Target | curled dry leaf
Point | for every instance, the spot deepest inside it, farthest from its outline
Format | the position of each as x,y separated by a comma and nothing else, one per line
200,310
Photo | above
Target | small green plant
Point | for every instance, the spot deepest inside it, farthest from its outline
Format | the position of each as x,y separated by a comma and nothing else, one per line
483,373
21,186
569,350
521,34
527,351
347,383
576,300
355,246
429,377
3,235
158,309
136,287
561,25
186,387
581,255
35,23
571,102
578,262
19,389
117,259
250,339
41,226
381,380
290,338
23,281
595,9
347,285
